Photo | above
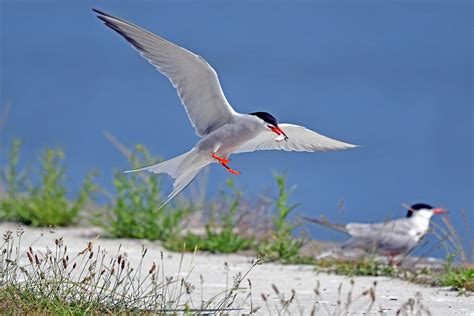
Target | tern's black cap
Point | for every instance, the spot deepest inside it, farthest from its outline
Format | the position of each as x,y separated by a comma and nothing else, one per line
267,117
417,207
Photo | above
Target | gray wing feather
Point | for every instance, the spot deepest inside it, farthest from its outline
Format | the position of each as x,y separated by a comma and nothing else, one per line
391,236
196,81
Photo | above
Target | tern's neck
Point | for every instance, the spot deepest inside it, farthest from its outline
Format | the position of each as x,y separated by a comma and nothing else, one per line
422,219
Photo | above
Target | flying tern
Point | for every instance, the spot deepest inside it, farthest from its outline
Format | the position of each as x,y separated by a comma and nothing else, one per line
389,238
223,131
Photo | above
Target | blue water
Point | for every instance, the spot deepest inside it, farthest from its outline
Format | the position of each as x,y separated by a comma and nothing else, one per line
396,78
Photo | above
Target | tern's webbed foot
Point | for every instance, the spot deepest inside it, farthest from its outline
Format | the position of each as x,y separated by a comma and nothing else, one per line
232,170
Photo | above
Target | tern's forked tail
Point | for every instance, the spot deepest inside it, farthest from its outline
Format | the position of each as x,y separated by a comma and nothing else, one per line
182,168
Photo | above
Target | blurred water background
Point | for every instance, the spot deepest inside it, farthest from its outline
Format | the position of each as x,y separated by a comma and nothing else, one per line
395,77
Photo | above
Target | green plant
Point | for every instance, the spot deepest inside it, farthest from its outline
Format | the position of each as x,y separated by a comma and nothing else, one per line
58,282
14,181
359,267
45,204
135,211
459,278
220,236
281,245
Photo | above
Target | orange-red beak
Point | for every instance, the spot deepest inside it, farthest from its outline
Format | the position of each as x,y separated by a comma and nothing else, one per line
439,211
278,131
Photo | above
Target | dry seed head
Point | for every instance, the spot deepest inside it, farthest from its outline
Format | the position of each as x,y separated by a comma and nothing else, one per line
64,263
123,264
102,272
89,246
112,271
237,279
7,235
275,289
264,297
30,258
119,259
37,260
30,249
74,265
20,231
293,294
91,255
153,268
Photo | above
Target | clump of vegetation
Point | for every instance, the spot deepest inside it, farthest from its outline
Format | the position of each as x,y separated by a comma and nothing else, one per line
459,278
135,211
47,203
221,236
14,181
360,267
282,245
56,281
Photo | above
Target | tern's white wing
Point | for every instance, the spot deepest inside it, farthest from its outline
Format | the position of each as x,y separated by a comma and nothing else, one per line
197,83
299,139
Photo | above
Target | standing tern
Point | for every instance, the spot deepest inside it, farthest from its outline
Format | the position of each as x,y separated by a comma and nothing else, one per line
223,131
389,238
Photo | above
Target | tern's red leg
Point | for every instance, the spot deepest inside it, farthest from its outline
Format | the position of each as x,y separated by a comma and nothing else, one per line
391,260
230,169
222,160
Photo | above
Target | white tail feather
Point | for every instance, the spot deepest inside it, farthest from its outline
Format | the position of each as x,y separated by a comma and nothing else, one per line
169,166
183,169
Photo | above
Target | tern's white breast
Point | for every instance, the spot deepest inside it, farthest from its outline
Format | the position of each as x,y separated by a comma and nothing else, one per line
228,138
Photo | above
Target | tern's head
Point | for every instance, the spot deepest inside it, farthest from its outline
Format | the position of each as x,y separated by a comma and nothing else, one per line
424,210
270,122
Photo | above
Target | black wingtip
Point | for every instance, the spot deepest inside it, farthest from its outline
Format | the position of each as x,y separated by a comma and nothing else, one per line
109,21
100,12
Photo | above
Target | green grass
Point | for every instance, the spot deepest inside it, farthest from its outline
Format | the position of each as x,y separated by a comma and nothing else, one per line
135,210
220,236
56,281
282,245
47,202
358,267
458,278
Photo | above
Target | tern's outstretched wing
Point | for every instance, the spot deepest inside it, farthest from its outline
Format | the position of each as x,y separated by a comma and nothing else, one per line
299,139
197,83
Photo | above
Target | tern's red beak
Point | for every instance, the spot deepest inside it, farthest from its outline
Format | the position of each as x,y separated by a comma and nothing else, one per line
278,131
439,211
